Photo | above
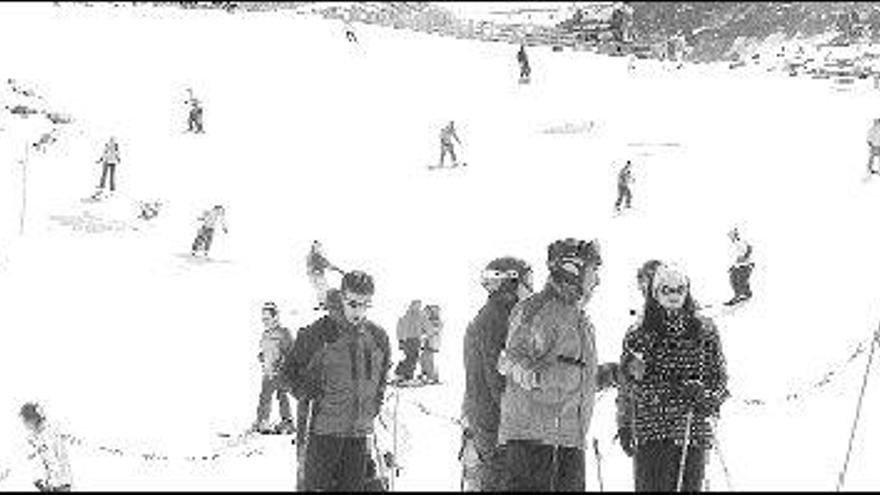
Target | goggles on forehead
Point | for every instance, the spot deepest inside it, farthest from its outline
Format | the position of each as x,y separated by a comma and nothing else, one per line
499,276
351,303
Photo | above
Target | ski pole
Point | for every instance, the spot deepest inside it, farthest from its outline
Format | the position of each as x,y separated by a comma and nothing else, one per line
684,448
598,464
394,437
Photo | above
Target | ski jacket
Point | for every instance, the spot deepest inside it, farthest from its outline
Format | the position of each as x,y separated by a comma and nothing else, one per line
743,253
550,335
413,324
655,406
343,369
484,339
624,178
432,334
448,134
111,154
48,446
275,344
211,218
874,134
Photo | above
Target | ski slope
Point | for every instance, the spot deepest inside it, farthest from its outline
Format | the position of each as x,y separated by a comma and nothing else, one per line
310,137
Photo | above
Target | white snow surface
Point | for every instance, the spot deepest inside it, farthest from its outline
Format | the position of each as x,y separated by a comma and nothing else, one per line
308,137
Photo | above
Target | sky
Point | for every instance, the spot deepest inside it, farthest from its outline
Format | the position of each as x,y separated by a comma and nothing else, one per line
310,137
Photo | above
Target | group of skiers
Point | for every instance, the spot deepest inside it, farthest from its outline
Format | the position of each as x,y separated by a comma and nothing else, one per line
418,336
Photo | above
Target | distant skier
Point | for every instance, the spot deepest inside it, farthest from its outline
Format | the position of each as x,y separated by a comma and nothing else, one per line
525,70
873,145
108,161
276,343
210,220
446,145
410,328
194,120
741,269
624,194
149,209
46,444
349,32
431,345
316,266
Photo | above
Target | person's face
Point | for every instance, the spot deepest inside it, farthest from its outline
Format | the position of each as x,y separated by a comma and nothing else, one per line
525,287
270,319
671,295
591,281
31,425
354,306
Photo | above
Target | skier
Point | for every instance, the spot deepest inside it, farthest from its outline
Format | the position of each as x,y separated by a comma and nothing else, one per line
194,122
316,266
410,328
525,71
446,146
873,145
149,209
551,369
205,236
741,270
108,161
46,444
676,376
508,280
624,194
430,345
349,32
340,364
275,345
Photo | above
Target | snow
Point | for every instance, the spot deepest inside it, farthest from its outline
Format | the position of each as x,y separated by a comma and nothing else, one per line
308,137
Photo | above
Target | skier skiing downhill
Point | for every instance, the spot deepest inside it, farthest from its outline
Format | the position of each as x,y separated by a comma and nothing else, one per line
194,121
205,236
275,345
340,363
551,369
109,160
624,194
525,70
507,280
676,380
446,145
873,146
741,270
46,444
349,31
316,266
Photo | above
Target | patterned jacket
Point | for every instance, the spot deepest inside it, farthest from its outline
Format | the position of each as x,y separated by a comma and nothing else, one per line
275,344
658,406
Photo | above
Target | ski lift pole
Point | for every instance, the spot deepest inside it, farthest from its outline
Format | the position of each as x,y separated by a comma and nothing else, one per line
852,433
394,439
598,464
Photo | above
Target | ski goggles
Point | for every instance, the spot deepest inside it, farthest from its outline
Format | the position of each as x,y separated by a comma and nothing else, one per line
667,290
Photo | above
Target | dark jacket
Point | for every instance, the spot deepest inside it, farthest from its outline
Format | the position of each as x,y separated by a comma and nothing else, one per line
483,341
343,369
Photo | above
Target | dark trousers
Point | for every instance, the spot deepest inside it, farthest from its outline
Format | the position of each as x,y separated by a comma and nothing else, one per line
269,388
657,464
624,196
739,280
335,464
194,123
524,71
406,368
484,462
535,467
446,147
873,152
203,240
108,169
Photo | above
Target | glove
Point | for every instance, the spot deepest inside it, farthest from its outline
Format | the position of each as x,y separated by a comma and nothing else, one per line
635,367
627,442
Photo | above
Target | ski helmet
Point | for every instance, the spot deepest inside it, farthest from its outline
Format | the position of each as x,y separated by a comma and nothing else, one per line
32,412
568,259
505,274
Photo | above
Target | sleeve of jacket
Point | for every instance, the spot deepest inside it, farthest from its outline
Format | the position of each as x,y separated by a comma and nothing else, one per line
715,379
385,367
304,383
491,336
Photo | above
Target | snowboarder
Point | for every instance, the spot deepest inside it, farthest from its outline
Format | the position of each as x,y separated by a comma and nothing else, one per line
873,145
551,369
525,70
676,379
205,236
194,122
340,363
108,161
410,328
446,145
46,444
430,345
507,280
624,194
741,270
275,345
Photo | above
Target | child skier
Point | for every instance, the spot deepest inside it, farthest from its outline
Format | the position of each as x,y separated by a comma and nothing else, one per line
275,344
194,121
108,161
446,145
47,445
741,269
624,194
205,236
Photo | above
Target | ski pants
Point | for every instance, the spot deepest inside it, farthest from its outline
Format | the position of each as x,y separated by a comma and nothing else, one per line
873,152
109,169
203,239
536,467
657,463
739,279
446,147
335,463
407,367
524,70
270,387
427,364
350,36
624,196
194,123
483,461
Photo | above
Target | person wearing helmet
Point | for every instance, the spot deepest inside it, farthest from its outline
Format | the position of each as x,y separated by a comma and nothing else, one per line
340,364
507,281
551,374
674,363
46,444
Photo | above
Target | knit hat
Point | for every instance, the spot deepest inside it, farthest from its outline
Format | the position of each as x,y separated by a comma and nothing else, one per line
568,259
358,282
32,411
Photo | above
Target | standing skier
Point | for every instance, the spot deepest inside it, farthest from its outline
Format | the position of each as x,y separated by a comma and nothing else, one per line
431,345
46,444
205,236
525,70
741,270
677,380
446,145
507,280
340,364
275,345
624,194
316,267
873,145
194,122
349,32
551,369
410,329
108,161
